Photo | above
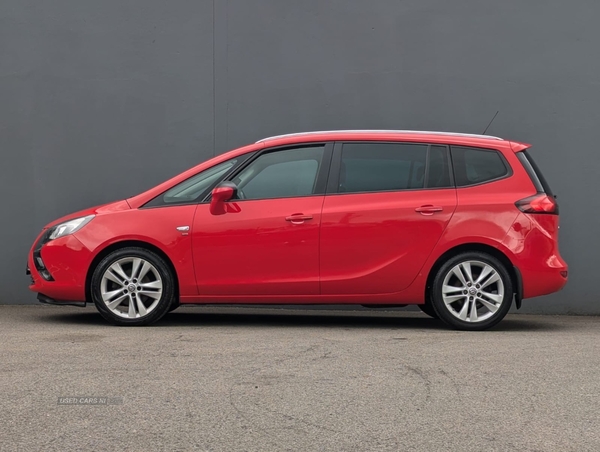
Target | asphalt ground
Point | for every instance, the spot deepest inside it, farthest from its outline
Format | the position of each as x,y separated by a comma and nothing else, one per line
257,379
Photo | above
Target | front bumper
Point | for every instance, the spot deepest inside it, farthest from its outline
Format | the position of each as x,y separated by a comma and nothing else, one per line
47,300
65,261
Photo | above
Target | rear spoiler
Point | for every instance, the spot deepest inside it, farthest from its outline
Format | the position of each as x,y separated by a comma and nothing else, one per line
516,146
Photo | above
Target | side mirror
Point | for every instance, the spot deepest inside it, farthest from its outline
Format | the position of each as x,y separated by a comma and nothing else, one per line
222,193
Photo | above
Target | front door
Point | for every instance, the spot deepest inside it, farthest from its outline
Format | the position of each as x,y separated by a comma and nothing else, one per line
389,206
268,241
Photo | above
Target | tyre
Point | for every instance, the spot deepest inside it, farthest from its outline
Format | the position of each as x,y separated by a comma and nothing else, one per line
472,291
132,286
426,308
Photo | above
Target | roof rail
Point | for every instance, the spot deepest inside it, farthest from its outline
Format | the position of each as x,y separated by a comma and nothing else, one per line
299,134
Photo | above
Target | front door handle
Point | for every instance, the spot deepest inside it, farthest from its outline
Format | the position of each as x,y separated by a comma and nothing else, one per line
298,218
428,210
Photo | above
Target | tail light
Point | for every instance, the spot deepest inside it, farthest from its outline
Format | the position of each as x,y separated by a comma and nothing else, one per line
540,203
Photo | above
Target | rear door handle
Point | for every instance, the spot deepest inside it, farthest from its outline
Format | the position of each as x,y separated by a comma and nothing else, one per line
428,210
298,218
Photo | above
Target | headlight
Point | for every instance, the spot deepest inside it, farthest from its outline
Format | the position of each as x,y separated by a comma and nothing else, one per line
69,227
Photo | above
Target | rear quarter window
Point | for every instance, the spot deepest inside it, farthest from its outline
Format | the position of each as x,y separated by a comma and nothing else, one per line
474,166
534,172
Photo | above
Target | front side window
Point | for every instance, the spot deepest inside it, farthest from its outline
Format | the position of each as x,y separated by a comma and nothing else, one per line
281,174
371,167
195,188
475,166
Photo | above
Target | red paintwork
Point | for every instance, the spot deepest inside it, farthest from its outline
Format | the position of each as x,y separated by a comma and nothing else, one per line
67,260
517,146
341,248
218,204
390,240
256,251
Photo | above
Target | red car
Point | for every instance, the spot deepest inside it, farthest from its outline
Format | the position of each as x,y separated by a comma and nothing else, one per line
460,225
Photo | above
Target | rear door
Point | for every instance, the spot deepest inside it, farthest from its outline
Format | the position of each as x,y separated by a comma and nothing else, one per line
386,208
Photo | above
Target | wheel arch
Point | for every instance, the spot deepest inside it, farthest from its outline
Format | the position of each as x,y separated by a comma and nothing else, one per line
513,271
126,244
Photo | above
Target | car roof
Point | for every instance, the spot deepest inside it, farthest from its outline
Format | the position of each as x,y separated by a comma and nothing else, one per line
368,133
423,136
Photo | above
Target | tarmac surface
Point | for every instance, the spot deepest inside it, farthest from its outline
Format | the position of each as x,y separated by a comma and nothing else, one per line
266,379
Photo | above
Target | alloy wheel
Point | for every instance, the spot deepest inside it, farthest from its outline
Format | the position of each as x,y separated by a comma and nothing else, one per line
473,291
131,287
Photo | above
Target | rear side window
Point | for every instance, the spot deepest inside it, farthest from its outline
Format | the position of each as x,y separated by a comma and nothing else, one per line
475,166
371,167
536,176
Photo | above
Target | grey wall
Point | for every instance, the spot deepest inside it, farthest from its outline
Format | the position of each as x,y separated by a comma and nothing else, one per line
101,100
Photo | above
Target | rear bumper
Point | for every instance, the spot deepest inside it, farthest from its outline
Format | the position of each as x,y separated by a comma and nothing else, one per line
537,282
533,240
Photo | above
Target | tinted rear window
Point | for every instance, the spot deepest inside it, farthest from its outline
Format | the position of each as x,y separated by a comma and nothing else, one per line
538,179
369,167
475,166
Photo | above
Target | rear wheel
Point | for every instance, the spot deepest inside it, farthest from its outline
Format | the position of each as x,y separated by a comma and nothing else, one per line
132,286
472,291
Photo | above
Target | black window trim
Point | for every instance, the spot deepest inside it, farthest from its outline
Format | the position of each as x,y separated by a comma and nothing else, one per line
509,170
242,160
534,172
245,160
450,168
322,176
336,166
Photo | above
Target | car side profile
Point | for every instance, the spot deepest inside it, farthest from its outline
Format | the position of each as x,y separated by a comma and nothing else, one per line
460,225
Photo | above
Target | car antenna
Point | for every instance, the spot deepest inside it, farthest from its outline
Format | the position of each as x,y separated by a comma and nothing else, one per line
488,126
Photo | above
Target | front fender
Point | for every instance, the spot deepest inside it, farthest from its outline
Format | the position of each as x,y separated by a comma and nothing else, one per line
156,227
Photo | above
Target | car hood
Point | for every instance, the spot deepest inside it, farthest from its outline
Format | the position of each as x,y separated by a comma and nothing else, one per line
97,210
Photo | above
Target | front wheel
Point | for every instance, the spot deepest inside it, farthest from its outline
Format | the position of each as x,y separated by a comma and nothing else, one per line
132,286
472,291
